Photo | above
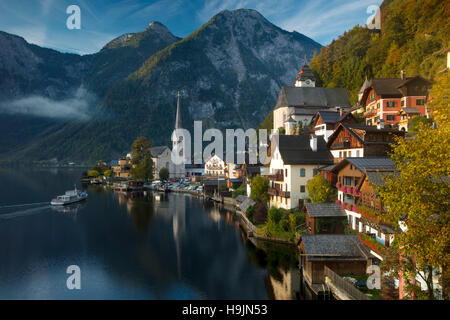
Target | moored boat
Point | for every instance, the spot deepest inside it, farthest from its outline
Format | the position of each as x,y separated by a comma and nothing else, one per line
71,196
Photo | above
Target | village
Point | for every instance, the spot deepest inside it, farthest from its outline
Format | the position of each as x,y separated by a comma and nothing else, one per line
322,139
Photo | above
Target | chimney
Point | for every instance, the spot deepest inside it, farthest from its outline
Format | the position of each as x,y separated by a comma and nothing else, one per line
403,74
313,142
341,112
380,124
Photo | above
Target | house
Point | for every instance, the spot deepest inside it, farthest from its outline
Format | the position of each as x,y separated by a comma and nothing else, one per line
295,160
344,254
122,168
215,166
301,102
349,174
354,140
325,218
325,122
384,98
363,215
356,180
212,186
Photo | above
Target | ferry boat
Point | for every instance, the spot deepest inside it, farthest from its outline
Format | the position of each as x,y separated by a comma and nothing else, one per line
69,197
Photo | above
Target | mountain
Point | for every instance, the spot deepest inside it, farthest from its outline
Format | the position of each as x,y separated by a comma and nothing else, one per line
412,37
229,71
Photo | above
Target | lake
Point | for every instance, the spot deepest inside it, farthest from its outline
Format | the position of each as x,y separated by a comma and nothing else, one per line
129,246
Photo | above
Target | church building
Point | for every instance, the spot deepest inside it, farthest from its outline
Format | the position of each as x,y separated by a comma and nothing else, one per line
302,101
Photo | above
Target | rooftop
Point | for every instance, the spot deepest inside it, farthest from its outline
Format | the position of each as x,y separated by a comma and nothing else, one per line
318,210
323,247
313,97
296,149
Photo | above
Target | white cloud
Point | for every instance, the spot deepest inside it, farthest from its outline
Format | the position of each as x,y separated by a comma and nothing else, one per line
76,107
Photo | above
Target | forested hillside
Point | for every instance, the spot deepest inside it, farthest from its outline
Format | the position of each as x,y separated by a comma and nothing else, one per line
412,37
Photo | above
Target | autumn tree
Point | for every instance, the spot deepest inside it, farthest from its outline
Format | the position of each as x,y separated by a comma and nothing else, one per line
319,190
142,159
418,195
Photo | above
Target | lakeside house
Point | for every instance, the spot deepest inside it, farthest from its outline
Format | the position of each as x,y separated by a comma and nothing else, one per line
215,166
298,104
343,254
325,218
296,160
383,99
355,140
123,167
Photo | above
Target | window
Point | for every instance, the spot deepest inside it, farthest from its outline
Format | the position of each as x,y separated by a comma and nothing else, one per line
286,172
357,153
340,154
302,172
391,104
390,117
314,172
420,102
403,103
302,189
378,105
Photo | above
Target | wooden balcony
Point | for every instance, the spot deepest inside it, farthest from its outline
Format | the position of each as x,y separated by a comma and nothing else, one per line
278,176
277,192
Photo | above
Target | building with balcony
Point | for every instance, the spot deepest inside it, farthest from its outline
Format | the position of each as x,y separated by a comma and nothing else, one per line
215,166
358,141
384,98
295,160
349,174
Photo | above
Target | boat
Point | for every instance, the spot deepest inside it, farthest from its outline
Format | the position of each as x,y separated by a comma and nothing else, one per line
71,196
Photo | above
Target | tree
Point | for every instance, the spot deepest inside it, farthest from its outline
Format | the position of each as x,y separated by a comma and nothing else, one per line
416,122
259,188
281,131
319,190
93,173
107,173
241,191
142,159
418,194
164,174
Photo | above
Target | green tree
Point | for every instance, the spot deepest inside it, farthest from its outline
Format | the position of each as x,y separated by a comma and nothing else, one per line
319,190
93,173
418,194
259,188
142,159
281,130
164,174
241,191
107,173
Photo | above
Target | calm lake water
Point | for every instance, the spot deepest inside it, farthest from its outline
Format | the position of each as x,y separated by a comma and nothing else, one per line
174,247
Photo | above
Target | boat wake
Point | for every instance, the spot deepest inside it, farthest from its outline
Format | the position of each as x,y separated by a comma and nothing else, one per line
23,213
23,205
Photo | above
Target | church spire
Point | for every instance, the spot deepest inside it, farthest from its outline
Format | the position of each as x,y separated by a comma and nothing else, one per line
178,117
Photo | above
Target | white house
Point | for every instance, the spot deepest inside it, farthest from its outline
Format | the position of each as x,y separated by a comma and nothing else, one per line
215,166
295,160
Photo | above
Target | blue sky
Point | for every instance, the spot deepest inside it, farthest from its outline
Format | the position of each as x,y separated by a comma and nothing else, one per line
43,22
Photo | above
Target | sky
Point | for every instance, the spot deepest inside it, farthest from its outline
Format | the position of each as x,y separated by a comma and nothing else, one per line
43,22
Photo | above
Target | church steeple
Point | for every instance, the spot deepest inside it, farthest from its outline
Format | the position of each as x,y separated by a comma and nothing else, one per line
178,116
305,77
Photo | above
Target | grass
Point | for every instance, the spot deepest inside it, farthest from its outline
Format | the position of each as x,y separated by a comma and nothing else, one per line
374,293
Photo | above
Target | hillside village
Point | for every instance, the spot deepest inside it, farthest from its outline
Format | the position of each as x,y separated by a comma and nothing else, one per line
320,134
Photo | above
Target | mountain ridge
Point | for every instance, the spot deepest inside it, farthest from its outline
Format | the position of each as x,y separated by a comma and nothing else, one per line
230,71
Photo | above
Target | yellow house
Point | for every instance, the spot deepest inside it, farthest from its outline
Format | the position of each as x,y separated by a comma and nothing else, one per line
295,160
